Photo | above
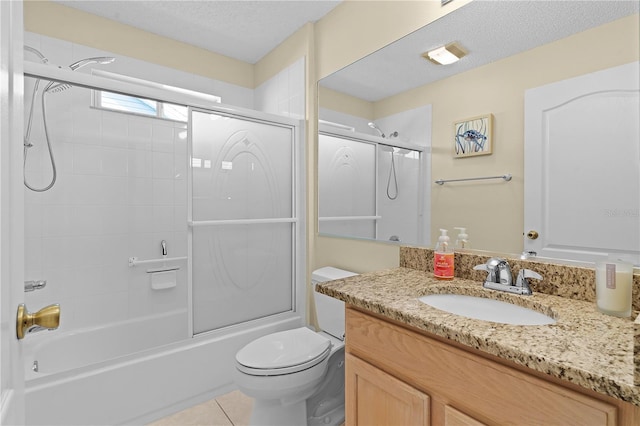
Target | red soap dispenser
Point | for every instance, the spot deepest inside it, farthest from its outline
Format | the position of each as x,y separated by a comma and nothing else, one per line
443,258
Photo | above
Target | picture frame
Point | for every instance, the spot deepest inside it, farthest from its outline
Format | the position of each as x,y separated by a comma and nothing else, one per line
473,136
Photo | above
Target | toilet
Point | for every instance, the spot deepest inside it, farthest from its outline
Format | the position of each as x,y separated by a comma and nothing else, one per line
296,377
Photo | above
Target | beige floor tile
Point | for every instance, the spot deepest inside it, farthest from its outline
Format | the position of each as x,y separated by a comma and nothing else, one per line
206,414
237,406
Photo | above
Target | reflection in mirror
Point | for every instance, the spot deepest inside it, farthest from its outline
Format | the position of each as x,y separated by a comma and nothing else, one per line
371,187
519,46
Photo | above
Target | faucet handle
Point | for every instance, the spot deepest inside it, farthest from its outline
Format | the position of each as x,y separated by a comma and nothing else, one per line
523,276
486,268
493,267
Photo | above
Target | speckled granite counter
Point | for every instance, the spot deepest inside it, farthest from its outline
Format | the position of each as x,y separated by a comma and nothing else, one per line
585,347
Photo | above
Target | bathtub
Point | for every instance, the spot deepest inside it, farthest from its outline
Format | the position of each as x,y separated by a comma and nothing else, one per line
101,377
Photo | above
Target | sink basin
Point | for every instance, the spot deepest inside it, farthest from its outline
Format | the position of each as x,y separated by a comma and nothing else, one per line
485,309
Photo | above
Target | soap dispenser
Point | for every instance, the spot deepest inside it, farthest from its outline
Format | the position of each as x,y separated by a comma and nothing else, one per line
462,242
443,258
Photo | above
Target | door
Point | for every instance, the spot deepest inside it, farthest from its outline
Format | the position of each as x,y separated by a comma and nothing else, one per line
582,167
11,209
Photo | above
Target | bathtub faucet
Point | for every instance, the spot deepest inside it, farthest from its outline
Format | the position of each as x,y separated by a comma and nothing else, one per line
47,318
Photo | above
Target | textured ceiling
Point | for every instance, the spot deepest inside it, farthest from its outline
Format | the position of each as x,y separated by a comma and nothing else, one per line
488,30
241,29
249,29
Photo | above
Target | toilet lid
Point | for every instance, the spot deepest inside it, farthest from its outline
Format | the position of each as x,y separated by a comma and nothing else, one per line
283,349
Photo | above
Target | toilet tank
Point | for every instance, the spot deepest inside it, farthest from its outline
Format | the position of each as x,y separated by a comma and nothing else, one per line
330,311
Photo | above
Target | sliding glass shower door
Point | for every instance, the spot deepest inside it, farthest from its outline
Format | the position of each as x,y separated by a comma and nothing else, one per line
242,219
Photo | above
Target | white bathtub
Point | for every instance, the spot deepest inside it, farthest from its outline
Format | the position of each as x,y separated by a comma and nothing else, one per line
80,381
56,352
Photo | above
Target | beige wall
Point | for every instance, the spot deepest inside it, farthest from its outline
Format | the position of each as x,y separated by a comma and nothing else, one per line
493,211
346,104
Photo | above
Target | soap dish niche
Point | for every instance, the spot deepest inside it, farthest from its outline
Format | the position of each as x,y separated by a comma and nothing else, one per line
163,278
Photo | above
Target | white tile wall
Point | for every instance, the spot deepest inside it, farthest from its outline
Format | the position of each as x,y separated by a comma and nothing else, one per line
284,94
117,196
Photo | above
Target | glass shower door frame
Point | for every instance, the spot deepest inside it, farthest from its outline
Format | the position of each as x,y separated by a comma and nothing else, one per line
296,220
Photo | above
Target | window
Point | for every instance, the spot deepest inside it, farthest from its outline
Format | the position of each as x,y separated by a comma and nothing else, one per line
131,104
140,106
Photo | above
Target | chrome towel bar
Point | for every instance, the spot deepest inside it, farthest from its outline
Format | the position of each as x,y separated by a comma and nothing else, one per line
506,177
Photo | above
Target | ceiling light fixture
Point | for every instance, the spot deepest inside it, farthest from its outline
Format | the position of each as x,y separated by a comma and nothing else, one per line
445,55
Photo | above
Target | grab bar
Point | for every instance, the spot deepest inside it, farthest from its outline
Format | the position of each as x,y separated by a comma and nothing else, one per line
506,177
133,261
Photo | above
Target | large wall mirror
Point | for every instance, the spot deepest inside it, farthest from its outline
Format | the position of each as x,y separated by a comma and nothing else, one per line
388,119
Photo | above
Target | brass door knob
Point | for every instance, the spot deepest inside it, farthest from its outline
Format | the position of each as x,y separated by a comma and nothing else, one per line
532,235
47,318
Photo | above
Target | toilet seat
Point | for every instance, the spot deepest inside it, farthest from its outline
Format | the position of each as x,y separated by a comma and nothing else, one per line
284,352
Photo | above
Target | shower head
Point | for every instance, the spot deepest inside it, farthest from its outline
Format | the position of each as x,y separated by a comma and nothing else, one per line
97,60
57,87
61,87
374,126
386,148
37,53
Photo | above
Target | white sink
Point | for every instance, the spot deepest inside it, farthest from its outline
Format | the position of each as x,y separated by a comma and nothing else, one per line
485,309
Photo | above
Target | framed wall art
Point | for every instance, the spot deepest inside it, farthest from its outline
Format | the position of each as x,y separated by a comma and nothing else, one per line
472,136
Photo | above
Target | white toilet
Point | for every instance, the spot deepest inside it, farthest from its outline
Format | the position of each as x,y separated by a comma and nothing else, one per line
297,376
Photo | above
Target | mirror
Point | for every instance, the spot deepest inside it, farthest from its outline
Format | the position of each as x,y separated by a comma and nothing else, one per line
511,47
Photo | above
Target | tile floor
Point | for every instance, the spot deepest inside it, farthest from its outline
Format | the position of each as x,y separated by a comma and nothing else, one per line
232,409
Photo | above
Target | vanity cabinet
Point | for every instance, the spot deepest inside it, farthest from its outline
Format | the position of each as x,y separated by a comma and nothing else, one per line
397,375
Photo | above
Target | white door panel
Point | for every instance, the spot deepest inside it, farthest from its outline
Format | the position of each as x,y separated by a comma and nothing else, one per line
11,211
582,166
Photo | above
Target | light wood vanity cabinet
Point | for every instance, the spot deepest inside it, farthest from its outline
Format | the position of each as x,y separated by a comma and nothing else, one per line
398,376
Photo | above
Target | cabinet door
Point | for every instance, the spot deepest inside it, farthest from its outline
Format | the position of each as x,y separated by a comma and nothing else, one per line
453,417
374,397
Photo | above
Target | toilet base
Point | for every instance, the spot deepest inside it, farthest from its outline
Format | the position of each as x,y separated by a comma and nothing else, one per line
273,413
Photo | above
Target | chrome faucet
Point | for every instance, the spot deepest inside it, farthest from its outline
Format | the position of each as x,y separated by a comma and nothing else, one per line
501,278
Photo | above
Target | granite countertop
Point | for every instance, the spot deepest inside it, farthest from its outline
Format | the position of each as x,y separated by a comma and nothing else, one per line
584,346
